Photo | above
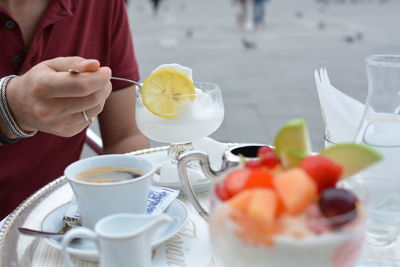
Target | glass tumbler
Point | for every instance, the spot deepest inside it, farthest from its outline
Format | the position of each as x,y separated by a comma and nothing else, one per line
380,129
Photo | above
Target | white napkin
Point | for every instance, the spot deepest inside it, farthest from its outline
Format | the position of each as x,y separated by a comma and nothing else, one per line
341,113
213,148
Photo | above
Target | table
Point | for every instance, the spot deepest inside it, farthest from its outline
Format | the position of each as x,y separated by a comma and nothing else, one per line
189,247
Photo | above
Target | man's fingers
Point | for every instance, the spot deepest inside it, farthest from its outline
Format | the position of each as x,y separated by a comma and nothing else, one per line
87,65
76,122
62,64
91,113
64,84
76,104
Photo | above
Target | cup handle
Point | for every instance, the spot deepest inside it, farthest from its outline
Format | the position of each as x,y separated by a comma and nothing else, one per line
183,161
79,232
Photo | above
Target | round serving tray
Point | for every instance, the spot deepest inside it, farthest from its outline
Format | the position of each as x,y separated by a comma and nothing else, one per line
16,248
30,213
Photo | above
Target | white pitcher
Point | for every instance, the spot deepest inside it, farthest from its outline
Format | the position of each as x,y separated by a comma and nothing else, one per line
123,240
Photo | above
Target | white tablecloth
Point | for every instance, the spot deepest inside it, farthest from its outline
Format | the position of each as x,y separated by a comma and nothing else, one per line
189,247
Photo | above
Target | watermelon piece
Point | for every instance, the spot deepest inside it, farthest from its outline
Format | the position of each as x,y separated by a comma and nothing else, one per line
322,170
259,178
235,181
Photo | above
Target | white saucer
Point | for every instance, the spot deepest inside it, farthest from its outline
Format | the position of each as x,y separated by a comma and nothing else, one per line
86,249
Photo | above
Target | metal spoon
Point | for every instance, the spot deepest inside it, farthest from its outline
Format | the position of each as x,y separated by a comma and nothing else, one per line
69,223
138,84
32,232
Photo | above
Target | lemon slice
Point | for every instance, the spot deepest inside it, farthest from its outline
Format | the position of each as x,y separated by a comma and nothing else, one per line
164,89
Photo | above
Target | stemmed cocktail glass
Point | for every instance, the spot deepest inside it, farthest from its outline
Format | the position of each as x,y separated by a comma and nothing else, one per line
192,117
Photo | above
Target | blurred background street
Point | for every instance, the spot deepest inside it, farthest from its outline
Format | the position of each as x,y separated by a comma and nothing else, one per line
267,75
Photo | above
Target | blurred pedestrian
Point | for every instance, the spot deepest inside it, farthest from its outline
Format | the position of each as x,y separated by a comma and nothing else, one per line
245,14
156,4
259,13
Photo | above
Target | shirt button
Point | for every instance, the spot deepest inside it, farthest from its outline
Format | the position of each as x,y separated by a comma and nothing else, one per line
16,59
10,24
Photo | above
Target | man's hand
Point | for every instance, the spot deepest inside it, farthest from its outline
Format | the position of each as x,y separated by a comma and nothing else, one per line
50,99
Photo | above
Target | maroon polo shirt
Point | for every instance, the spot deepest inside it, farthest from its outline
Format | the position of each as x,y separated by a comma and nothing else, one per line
94,29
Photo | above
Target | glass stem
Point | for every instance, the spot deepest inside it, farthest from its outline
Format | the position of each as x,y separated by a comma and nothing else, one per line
175,150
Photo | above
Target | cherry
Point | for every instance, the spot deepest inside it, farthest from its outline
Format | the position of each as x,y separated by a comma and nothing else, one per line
335,202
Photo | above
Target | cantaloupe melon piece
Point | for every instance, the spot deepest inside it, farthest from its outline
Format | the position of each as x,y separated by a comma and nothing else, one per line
296,189
241,200
263,206
256,222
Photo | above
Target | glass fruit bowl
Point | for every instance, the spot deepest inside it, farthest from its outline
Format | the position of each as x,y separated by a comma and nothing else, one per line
284,208
308,239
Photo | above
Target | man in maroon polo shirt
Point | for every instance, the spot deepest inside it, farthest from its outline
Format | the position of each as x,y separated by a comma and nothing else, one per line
40,40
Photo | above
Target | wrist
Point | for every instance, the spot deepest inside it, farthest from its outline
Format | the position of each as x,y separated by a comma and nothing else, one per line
6,114
6,137
13,99
5,131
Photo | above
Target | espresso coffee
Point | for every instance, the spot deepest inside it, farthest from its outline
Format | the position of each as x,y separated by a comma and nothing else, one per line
108,175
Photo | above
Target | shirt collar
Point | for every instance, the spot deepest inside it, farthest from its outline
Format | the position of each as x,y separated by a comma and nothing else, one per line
56,11
61,7
66,7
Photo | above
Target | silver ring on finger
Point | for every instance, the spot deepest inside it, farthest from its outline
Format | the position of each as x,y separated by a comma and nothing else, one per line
85,116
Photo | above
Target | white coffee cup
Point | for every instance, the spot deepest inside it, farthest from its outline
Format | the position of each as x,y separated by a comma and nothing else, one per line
123,240
98,200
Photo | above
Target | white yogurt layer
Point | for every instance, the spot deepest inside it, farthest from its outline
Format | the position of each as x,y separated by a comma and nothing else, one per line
333,249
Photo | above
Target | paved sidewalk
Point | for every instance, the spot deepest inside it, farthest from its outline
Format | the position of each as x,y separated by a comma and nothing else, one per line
272,82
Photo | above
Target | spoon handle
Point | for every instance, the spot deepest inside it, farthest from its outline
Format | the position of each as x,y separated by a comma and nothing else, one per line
128,80
32,232
73,71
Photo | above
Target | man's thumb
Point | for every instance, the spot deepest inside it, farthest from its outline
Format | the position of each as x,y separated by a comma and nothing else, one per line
76,63
87,65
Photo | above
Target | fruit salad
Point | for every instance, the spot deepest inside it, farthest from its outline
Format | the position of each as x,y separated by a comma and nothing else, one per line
285,208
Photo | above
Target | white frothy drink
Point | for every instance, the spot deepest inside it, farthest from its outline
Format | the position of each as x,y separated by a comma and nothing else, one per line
194,120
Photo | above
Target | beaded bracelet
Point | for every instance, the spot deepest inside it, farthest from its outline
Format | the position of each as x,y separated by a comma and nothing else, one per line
6,113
